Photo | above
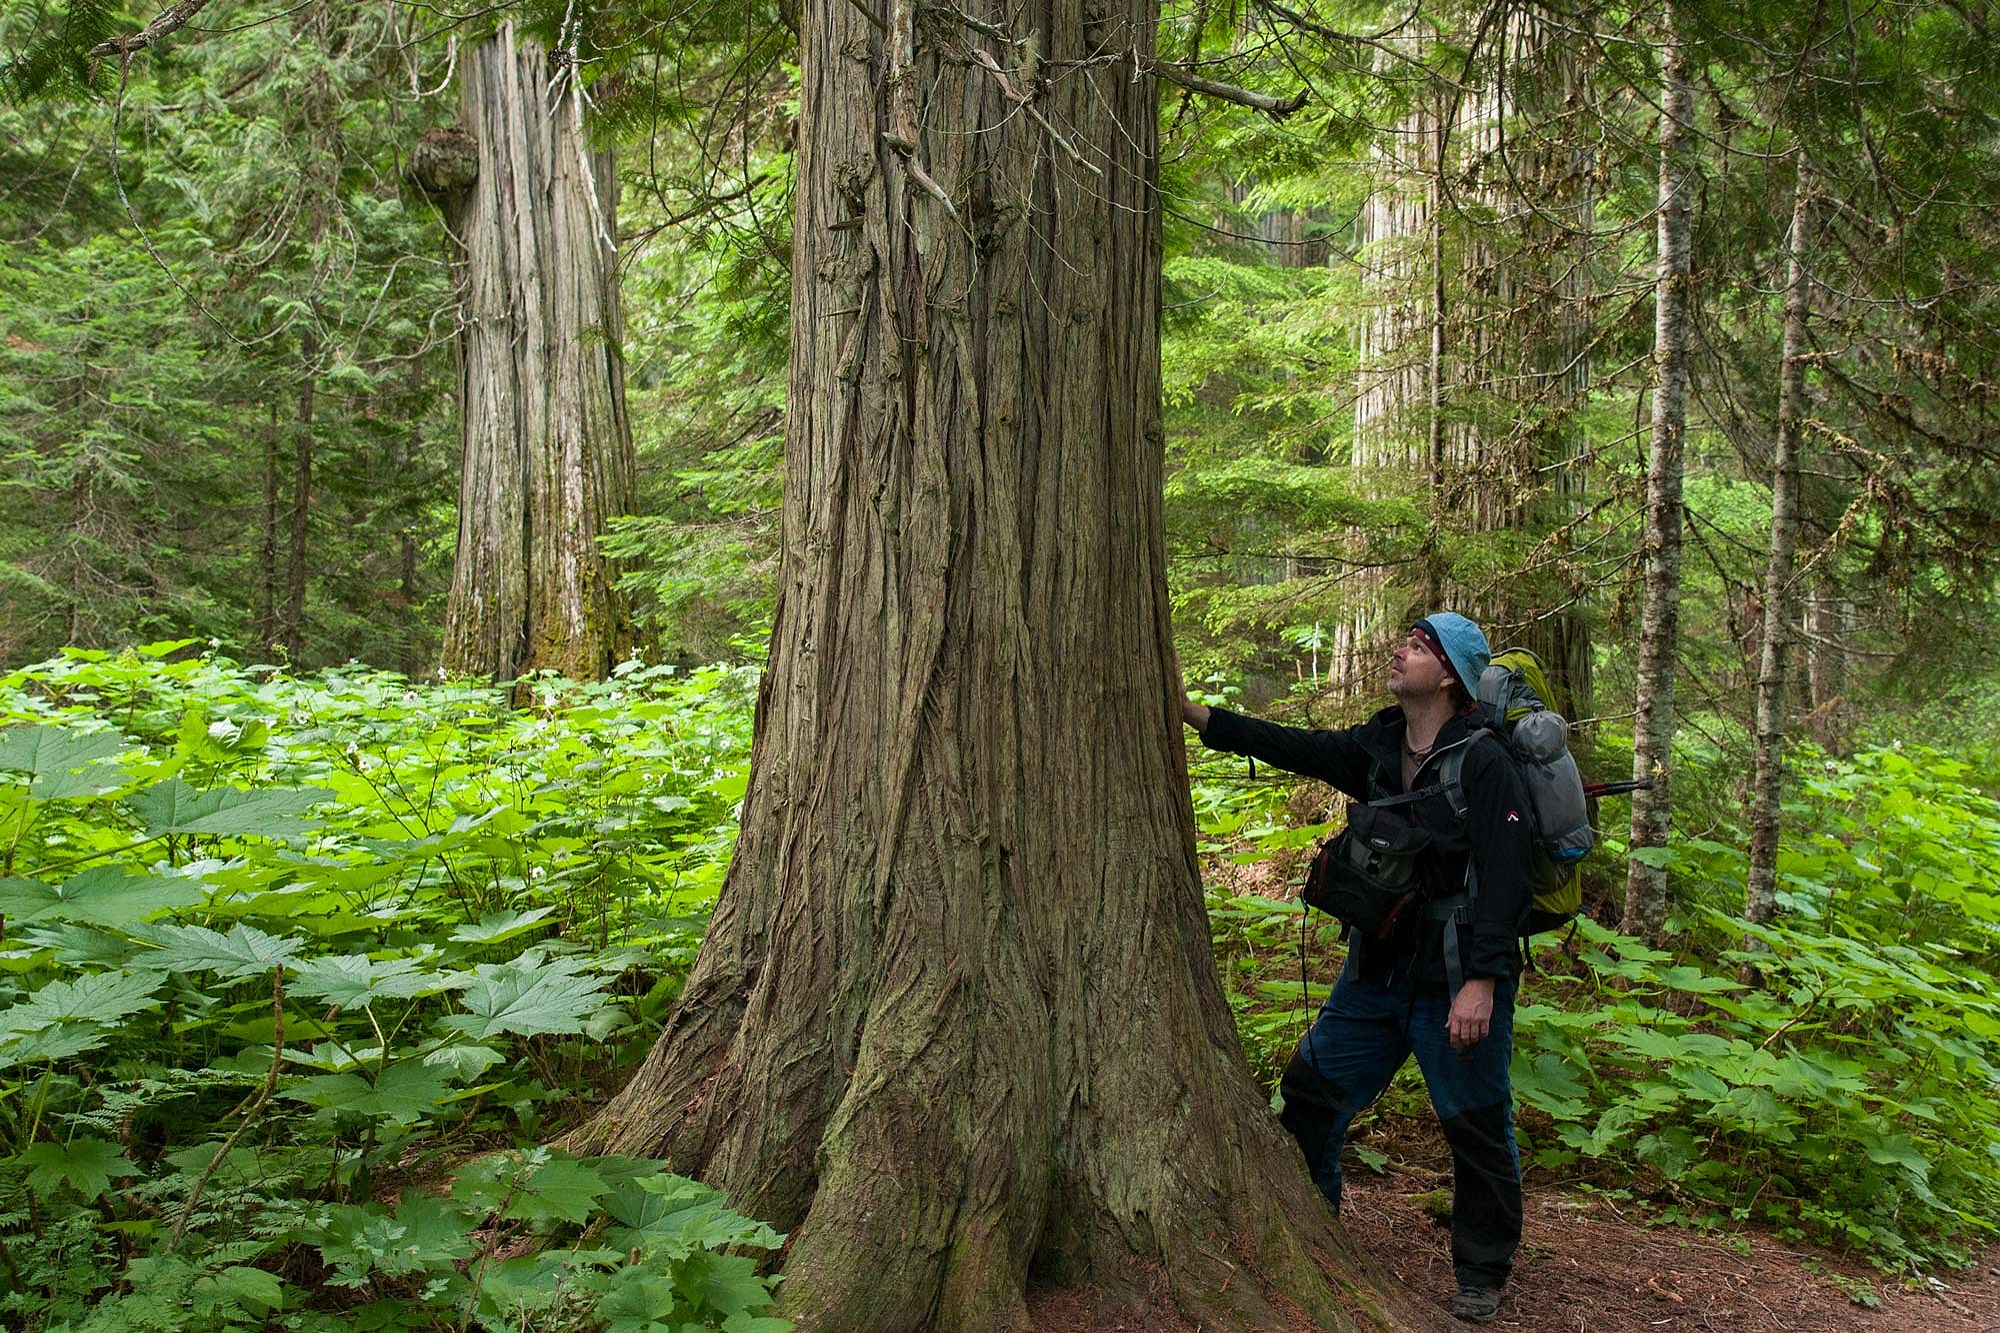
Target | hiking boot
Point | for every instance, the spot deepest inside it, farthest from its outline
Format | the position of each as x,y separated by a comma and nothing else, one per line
1476,1305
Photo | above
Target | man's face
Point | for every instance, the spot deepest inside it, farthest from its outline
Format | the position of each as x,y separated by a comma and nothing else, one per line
1415,672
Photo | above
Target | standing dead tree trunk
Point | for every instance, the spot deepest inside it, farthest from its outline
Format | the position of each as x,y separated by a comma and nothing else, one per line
956,1018
1659,621
547,451
1473,349
1760,902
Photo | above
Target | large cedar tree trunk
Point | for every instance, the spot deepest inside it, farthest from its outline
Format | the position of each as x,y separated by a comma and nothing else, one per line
956,1018
1659,622
547,450
1760,894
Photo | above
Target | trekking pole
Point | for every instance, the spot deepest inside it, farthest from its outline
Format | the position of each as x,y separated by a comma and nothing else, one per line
1594,789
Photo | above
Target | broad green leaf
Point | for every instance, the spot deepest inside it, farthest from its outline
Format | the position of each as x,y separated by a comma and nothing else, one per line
361,1240
757,1323
81,945
1696,982
731,1285
532,1186
64,763
405,1092
66,1018
640,1301
675,1216
500,926
528,997
240,1286
99,896
564,1190
244,952
347,981
271,812
1547,1084
57,1041
85,1165
101,997
465,1062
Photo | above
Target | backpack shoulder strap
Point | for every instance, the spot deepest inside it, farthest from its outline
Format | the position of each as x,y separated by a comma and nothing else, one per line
1449,761
1450,769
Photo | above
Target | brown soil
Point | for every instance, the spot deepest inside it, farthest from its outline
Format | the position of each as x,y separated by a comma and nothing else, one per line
1589,1265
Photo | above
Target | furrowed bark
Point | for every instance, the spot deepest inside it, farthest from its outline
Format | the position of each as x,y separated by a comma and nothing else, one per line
546,448
1474,398
956,1021
1659,621
1760,903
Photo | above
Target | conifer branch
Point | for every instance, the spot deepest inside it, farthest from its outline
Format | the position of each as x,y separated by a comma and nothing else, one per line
170,20
1275,107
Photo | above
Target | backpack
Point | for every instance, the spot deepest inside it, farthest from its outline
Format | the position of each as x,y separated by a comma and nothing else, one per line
1512,695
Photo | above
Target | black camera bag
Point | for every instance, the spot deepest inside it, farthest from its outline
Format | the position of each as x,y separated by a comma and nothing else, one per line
1366,875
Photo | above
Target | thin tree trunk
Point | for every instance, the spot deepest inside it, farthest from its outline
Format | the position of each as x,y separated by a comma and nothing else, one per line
1760,902
1826,662
1659,622
956,1015
264,624
292,621
547,451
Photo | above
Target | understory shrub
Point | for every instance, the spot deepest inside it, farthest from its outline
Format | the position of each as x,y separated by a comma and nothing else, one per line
295,973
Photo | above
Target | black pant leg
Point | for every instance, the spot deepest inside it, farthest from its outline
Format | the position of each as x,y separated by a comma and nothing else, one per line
1486,1197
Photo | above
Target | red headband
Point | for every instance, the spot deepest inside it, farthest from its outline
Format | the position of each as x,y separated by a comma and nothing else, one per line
1436,649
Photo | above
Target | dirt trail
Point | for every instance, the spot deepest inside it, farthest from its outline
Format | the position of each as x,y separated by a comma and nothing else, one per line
1585,1267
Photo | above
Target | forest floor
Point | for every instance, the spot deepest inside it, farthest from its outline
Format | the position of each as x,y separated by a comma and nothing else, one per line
1589,1265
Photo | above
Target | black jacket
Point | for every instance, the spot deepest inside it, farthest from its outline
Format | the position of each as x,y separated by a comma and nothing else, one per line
1366,763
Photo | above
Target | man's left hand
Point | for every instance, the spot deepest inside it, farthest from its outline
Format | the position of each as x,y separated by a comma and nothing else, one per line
1471,1013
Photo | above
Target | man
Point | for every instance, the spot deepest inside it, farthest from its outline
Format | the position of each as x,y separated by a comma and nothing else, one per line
1438,980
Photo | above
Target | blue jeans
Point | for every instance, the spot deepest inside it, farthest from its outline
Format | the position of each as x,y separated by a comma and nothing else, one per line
1363,1034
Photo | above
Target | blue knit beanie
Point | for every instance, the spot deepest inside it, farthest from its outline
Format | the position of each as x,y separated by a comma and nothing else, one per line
1463,643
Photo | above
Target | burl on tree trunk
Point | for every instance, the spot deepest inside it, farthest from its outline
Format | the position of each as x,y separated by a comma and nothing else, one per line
956,1022
546,448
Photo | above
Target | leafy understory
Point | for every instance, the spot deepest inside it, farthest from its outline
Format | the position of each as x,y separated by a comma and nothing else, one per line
295,974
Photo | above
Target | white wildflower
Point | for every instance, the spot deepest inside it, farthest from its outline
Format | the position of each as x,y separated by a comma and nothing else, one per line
225,730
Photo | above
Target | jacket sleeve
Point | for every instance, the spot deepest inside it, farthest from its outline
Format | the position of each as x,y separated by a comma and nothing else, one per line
1498,822
1331,756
